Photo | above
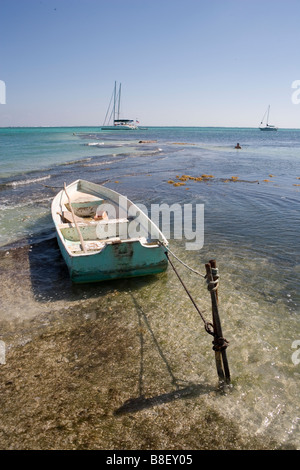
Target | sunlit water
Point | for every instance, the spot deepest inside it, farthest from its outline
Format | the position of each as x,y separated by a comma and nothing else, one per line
251,227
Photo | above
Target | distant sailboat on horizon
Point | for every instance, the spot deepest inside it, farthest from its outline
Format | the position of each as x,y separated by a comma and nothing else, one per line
267,127
117,123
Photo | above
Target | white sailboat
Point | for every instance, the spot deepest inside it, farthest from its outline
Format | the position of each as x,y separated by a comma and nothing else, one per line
117,123
267,127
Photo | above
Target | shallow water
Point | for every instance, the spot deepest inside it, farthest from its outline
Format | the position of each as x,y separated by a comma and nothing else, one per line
251,228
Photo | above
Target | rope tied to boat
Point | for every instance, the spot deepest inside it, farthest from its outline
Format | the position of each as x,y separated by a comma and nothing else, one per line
211,285
209,327
182,262
219,343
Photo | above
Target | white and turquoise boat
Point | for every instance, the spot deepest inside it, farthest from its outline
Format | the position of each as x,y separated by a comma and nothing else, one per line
102,235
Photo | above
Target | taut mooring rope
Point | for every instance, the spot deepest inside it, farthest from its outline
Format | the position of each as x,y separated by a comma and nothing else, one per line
209,328
184,264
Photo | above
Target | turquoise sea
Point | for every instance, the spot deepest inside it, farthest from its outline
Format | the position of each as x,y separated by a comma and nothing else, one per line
251,203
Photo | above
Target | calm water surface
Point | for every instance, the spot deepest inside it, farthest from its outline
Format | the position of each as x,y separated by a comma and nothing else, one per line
252,214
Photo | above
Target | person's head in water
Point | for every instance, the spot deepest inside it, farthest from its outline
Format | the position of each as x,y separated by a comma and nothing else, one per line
237,146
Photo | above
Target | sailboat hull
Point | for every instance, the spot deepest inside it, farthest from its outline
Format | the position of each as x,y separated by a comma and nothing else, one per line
119,128
269,128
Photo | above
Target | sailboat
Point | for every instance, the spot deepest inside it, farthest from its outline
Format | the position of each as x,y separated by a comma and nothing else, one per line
117,123
267,127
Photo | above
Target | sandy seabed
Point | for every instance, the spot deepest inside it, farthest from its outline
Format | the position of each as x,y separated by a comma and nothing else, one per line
96,374
81,386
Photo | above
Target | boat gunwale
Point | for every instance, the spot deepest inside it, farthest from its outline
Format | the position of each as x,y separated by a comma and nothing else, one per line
84,186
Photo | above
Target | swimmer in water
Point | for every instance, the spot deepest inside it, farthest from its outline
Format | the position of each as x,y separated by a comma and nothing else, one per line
237,146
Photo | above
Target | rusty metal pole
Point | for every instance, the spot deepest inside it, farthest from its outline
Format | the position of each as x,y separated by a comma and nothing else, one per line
219,342
213,264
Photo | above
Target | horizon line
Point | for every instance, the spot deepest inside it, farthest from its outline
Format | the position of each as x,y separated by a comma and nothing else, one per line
148,126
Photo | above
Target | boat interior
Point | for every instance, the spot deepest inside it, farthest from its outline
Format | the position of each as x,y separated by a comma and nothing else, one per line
98,220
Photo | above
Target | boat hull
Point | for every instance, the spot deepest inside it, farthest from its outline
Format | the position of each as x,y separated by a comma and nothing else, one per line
119,128
115,263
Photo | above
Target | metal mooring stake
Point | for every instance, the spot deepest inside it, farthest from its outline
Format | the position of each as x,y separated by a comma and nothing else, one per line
219,343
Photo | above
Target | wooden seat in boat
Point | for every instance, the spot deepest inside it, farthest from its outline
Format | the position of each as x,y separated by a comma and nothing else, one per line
102,230
68,217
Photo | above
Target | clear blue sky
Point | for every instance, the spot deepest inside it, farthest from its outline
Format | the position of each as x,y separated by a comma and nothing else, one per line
180,62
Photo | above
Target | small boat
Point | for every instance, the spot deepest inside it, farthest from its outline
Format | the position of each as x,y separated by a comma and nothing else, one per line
267,127
118,124
102,235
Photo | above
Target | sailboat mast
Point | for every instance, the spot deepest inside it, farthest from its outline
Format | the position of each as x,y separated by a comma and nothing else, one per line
114,111
268,115
119,102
